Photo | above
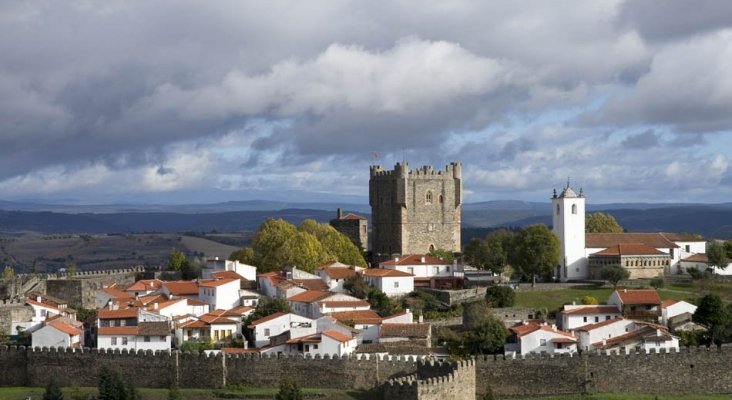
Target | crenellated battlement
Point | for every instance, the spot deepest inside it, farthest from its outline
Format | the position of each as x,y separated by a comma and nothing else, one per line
435,380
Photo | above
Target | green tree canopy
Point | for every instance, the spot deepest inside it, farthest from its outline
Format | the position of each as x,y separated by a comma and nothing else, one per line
712,313
614,274
340,247
490,253
443,254
302,250
267,241
535,251
268,306
289,390
602,223
176,258
487,337
500,296
717,255
244,255
8,272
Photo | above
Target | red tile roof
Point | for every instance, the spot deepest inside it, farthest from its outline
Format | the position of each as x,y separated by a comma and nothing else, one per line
335,335
699,258
349,303
628,249
117,330
35,303
195,302
592,309
682,237
238,311
668,302
605,240
309,296
227,274
589,327
416,259
532,326
381,272
273,277
351,216
357,317
106,313
419,331
195,324
638,296
305,339
181,288
116,293
212,283
213,319
66,328
311,284
145,285
267,318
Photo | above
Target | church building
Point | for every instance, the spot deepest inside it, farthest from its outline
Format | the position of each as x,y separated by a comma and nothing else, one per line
644,255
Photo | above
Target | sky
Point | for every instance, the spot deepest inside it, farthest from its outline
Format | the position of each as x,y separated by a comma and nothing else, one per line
198,101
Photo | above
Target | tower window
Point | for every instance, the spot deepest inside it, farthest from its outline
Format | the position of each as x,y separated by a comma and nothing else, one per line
557,209
428,197
574,208
442,200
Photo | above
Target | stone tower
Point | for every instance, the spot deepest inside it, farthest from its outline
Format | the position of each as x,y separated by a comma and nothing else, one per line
413,212
568,223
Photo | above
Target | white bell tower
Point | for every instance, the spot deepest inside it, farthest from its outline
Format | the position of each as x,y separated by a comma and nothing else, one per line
568,223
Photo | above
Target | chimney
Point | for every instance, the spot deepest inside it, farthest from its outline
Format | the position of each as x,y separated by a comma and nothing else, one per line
246,343
604,342
658,332
422,260
574,303
339,213
421,319
396,259
109,304
155,306
39,298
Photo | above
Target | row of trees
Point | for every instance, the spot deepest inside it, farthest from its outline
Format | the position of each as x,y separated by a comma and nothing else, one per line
532,251
278,243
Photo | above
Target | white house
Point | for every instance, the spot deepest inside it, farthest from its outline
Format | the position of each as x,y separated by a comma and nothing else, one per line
533,337
58,334
267,283
170,308
219,293
415,333
278,323
339,302
173,289
329,342
248,272
144,287
304,303
628,334
671,308
390,281
575,316
592,334
422,266
576,246
367,321
214,326
132,329
335,274
248,298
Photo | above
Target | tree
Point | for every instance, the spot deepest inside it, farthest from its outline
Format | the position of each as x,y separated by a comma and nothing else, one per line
357,287
487,337
244,255
490,253
614,274
380,302
267,241
111,386
602,223
174,392
302,250
8,272
500,296
176,259
268,306
589,300
475,313
717,255
728,249
444,255
53,391
712,313
289,390
340,247
535,251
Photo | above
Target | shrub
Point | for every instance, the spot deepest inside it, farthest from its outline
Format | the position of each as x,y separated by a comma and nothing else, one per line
589,300
657,282
500,296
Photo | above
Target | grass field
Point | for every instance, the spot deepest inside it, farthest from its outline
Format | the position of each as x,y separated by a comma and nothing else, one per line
24,393
554,299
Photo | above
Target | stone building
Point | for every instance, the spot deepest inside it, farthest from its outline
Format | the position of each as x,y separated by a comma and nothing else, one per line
414,211
641,261
354,227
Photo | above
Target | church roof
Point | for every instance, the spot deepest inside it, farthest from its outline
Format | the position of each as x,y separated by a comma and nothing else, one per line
629,249
605,240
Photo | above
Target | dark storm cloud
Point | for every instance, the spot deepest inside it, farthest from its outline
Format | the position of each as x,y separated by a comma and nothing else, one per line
641,141
660,20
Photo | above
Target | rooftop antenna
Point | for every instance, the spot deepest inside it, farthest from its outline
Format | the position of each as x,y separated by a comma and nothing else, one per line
568,182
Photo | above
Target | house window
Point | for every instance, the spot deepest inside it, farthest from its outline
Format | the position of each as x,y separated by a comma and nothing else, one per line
584,319
542,342
228,333
163,338
307,347
315,347
435,270
266,331
43,313
114,341
124,341
597,319
607,318
574,208
396,284
147,338
411,270
688,248
122,322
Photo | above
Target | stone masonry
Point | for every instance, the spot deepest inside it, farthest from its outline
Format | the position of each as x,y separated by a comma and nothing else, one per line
435,381
413,212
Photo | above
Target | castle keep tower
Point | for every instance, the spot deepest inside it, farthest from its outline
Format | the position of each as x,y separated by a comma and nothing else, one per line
568,223
413,212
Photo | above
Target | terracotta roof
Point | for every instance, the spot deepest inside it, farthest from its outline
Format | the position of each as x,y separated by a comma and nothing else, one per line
589,327
381,272
416,259
699,258
145,285
66,328
117,330
605,240
238,311
35,303
627,249
351,216
181,288
273,277
357,317
116,293
564,340
525,328
335,335
267,318
305,339
195,324
638,296
106,313
639,334
421,331
309,296
212,283
668,302
166,304
156,328
215,319
311,284
227,274
348,303
48,299
592,309
195,302
337,270
682,237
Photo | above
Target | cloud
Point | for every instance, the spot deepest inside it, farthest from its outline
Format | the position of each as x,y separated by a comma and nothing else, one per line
661,20
641,141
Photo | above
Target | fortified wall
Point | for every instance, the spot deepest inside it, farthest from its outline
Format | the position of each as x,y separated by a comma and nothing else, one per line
435,381
689,371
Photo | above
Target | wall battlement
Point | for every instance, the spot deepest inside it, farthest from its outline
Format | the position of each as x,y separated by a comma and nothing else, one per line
434,381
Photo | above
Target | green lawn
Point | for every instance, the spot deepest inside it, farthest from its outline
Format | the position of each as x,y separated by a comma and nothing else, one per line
23,393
